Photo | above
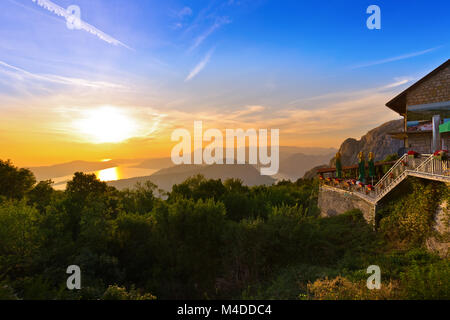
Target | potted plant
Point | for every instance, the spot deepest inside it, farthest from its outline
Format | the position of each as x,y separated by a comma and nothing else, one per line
441,155
413,154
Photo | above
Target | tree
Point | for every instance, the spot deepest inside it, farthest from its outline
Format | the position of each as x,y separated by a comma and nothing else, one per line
189,254
83,185
198,187
41,195
84,191
19,238
133,246
14,182
139,200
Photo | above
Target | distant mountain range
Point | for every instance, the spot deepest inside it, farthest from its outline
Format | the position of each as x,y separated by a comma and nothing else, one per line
69,168
294,162
166,178
294,166
285,154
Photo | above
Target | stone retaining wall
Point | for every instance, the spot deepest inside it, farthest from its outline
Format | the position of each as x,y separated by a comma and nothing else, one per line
333,201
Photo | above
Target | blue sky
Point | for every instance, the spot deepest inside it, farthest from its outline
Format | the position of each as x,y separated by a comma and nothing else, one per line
294,65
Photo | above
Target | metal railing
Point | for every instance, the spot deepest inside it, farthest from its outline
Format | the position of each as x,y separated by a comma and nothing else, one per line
391,175
435,166
425,165
399,172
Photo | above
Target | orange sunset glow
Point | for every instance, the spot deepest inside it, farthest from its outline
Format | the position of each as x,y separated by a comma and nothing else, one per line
186,153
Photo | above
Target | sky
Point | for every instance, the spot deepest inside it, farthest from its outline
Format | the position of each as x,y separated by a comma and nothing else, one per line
120,82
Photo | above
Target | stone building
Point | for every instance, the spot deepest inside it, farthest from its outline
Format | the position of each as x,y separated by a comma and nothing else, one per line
425,107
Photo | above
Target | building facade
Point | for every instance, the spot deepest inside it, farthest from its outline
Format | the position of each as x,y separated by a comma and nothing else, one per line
425,107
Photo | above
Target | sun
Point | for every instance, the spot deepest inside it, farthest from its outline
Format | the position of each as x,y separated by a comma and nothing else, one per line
106,125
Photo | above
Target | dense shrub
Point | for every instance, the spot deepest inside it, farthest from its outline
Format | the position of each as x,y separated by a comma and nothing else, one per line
407,217
212,239
430,281
341,288
119,293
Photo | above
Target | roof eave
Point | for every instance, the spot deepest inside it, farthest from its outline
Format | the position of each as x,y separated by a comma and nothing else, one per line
398,104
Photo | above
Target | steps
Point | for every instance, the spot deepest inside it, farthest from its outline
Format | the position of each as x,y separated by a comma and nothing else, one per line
424,166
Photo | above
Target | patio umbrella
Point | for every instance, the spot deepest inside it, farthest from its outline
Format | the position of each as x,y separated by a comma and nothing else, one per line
338,166
361,167
371,166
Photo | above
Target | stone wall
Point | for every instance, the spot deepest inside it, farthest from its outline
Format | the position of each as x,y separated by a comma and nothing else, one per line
420,142
334,201
434,89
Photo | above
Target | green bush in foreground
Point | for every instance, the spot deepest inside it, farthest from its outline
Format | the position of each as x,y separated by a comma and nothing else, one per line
212,240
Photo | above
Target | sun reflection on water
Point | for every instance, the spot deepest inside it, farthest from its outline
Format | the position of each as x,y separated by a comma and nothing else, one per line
111,174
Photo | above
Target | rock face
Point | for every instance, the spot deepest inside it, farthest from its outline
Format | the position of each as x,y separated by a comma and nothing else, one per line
376,140
440,242
311,174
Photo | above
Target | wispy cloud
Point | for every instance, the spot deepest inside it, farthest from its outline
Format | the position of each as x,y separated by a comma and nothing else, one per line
397,83
354,94
59,11
397,58
218,23
200,66
180,16
22,74
186,11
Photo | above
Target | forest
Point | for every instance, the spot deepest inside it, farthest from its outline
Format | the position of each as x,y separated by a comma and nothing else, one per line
212,239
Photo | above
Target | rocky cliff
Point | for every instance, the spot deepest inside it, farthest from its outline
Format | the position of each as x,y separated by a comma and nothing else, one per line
376,140
311,174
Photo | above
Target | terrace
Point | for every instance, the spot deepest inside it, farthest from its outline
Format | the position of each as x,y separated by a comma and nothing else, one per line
387,175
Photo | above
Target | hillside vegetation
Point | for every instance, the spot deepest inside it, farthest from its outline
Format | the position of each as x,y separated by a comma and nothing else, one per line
210,239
